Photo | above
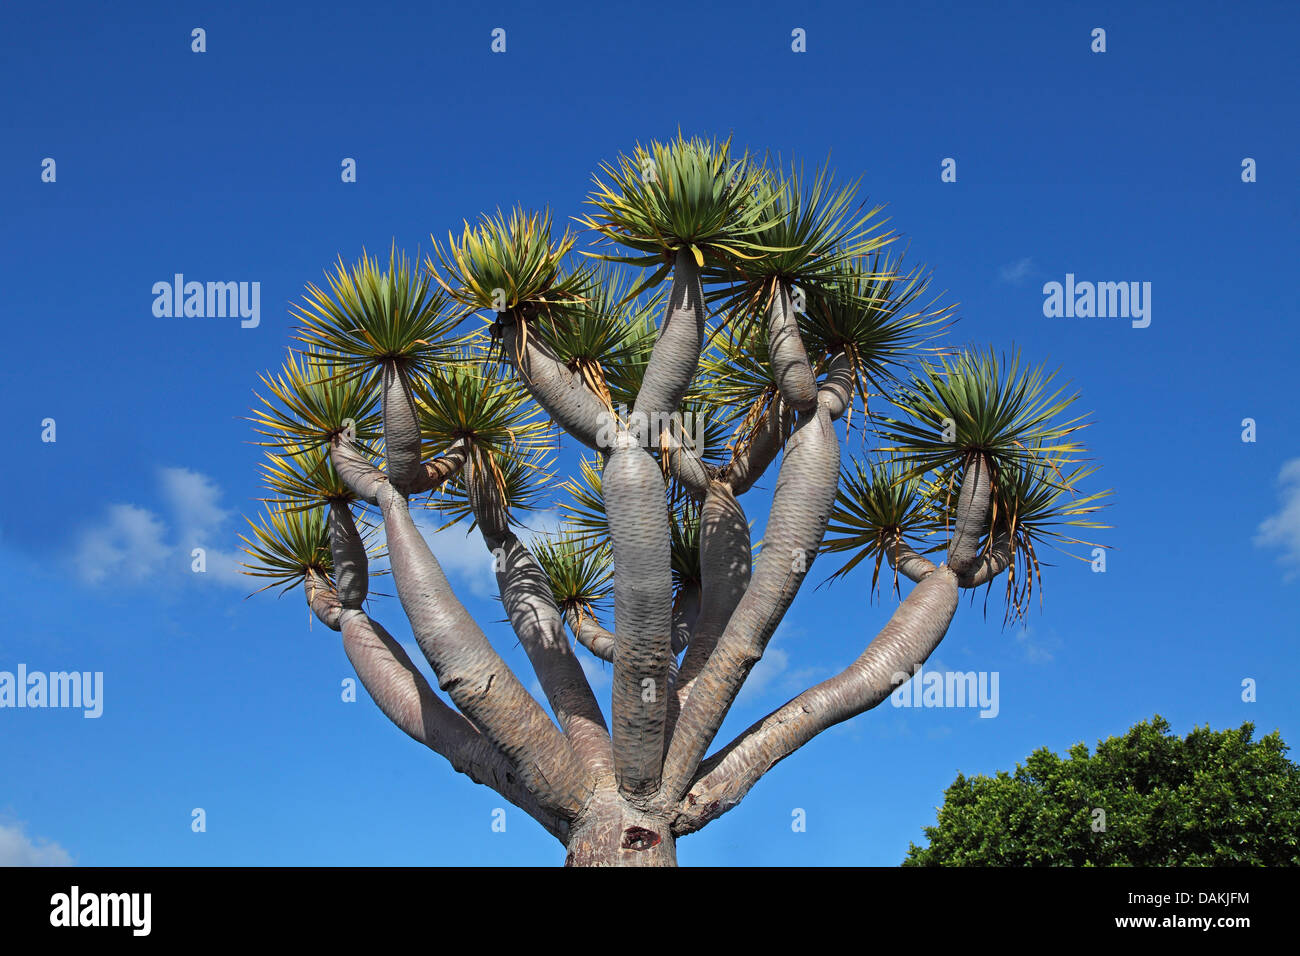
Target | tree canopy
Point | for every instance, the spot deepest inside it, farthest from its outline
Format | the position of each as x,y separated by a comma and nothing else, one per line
1212,798
447,386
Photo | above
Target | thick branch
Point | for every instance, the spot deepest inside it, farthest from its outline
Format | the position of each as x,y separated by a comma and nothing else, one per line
401,427
526,596
972,515
725,558
836,389
468,669
590,634
791,369
677,351
322,599
487,504
770,434
364,479
905,642
402,693
357,472
989,564
437,470
571,405
801,508
638,526
906,561
684,464
686,615
686,612
351,569
685,623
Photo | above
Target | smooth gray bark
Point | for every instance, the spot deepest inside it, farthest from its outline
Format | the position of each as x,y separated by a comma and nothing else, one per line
637,509
402,439
404,696
437,470
836,389
472,673
322,599
676,354
905,642
972,515
686,612
905,560
685,466
791,369
531,609
801,508
590,634
561,392
357,472
988,565
725,560
351,569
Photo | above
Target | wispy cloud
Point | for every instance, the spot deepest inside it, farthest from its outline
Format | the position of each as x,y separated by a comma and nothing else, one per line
773,673
771,666
1017,272
131,543
193,499
1282,530
1038,647
128,544
18,849
461,553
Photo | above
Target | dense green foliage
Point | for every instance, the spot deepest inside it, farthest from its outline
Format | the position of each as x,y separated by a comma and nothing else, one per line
1214,798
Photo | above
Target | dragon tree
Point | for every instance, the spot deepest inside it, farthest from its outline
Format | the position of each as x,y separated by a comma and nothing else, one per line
731,329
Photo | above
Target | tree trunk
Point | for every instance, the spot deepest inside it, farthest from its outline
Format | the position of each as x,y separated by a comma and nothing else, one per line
612,832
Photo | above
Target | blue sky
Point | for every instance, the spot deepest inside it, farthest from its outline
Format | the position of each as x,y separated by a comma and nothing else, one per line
1116,166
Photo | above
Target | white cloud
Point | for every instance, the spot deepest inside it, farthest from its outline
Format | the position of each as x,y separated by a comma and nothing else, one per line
18,849
1016,272
1282,530
131,543
193,500
128,544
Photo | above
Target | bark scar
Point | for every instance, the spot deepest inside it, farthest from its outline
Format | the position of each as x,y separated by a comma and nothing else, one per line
639,838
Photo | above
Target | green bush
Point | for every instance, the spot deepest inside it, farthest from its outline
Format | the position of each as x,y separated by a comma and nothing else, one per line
1214,798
